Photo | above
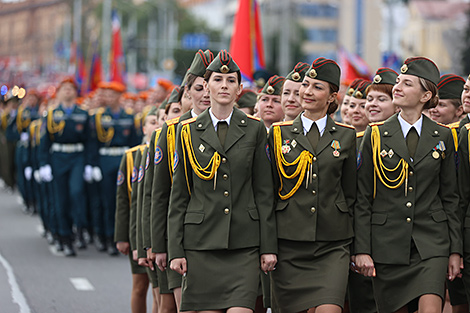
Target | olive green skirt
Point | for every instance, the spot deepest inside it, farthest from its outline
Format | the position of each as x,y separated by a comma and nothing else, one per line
396,286
309,274
153,277
174,278
361,294
135,267
220,279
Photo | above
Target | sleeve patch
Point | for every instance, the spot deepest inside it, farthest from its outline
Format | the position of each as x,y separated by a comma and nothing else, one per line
267,152
359,159
134,175
176,161
147,161
158,155
141,174
120,178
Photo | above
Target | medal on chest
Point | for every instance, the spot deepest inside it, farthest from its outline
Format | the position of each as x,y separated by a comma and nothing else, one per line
336,146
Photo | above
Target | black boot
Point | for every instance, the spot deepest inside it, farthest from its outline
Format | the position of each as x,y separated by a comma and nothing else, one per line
100,243
112,250
59,247
80,240
68,247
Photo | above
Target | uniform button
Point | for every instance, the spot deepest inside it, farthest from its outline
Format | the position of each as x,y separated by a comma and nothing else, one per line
314,159
408,204
226,193
386,133
314,192
224,160
225,176
411,173
314,175
408,220
312,210
226,211
410,189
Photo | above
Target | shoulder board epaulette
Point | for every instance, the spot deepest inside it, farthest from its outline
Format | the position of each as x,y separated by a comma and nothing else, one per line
344,125
376,124
443,125
454,125
157,133
173,121
284,123
253,117
360,134
134,148
467,126
191,120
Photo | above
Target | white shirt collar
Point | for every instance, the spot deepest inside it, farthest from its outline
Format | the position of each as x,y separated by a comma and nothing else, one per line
405,126
215,120
307,124
193,114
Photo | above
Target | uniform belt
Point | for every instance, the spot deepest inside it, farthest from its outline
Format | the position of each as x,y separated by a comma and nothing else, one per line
113,151
67,147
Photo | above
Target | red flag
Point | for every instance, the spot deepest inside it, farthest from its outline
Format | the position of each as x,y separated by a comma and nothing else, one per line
96,72
118,65
352,67
246,46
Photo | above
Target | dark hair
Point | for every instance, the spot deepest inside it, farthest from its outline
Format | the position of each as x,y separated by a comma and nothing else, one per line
333,106
168,106
383,88
190,79
208,74
427,85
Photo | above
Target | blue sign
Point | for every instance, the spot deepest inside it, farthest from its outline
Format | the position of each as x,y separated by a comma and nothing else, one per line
192,41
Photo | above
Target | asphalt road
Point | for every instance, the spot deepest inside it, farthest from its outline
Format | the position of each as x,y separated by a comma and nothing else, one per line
35,278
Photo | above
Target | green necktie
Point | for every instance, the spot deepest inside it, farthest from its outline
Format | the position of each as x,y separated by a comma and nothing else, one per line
222,128
313,135
412,141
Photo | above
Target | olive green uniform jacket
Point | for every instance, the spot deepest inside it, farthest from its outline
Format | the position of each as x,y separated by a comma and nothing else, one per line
321,210
234,211
162,181
427,214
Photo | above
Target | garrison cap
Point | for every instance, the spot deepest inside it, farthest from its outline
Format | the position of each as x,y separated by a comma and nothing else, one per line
450,86
353,86
260,77
326,70
223,63
164,103
385,75
113,85
298,73
175,95
153,111
201,61
274,86
421,67
360,91
247,99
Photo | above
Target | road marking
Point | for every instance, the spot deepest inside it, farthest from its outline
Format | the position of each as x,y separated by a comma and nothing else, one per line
81,283
16,294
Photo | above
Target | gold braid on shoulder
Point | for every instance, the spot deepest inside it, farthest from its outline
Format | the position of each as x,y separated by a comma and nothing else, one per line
303,162
456,138
207,173
5,119
20,123
103,134
53,127
171,141
129,169
381,170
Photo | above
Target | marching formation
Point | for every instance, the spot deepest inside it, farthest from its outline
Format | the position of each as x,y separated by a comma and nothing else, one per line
239,200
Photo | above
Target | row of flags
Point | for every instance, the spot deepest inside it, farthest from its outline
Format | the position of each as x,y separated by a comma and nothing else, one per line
89,75
246,47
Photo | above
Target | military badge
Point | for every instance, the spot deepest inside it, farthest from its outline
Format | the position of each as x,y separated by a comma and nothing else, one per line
270,90
147,161
294,143
134,175
383,153
202,148
312,73
158,155
435,154
120,178
377,79
390,153
285,148
175,161
141,174
336,146
404,69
